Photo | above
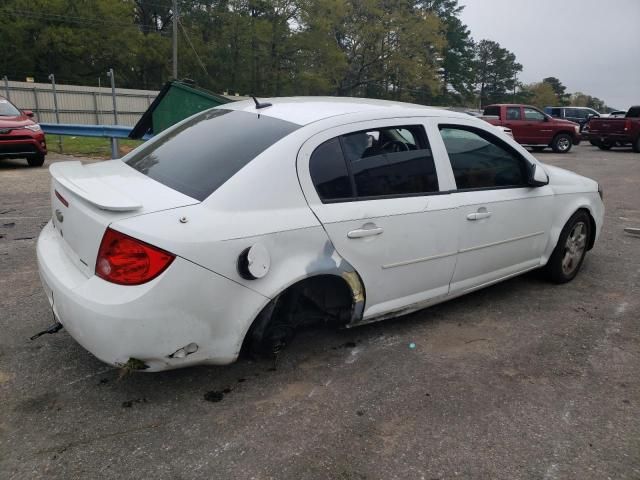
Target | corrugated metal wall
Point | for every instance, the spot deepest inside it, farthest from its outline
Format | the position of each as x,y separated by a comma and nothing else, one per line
79,104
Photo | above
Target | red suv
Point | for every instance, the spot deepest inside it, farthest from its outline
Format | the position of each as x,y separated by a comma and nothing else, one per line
20,137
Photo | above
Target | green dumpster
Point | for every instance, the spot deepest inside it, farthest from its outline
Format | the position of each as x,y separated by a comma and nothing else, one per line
176,101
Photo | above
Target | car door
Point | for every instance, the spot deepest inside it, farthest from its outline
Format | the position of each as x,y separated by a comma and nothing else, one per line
504,222
536,125
375,188
515,121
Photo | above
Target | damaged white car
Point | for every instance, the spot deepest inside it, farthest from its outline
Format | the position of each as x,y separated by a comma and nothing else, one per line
247,221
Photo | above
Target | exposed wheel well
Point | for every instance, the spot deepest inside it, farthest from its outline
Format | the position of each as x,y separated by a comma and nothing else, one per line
322,299
592,228
562,132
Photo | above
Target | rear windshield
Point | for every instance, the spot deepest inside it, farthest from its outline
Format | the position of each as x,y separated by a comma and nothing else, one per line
634,112
202,154
492,112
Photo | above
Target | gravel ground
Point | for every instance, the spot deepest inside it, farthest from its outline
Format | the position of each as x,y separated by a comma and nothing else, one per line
523,380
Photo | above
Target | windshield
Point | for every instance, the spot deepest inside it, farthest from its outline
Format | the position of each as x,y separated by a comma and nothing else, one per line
200,155
7,109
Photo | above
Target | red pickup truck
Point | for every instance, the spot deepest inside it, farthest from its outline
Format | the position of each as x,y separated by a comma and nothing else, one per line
533,128
607,132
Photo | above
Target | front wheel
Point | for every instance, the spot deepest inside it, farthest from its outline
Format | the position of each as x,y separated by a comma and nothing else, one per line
36,160
561,143
567,257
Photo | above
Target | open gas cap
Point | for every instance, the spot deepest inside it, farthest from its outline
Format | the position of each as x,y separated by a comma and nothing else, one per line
254,262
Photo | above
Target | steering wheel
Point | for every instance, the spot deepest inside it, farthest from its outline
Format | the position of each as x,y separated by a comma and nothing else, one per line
394,146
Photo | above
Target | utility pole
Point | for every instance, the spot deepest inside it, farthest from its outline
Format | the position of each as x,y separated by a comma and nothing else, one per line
175,39
114,141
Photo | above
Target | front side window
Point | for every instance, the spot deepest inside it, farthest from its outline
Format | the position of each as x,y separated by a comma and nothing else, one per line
199,156
479,160
533,114
375,163
513,113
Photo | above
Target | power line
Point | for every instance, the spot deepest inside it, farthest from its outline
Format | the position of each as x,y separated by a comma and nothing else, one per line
192,47
82,21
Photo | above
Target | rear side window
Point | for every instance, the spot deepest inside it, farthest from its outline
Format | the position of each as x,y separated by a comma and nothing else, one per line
513,113
481,161
329,171
199,156
376,163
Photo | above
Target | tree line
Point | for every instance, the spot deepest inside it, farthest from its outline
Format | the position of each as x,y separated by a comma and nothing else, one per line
410,50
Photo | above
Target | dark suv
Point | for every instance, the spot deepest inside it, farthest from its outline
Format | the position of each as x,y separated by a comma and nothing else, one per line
20,136
580,115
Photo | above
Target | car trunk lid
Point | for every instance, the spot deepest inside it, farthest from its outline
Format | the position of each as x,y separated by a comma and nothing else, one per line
86,199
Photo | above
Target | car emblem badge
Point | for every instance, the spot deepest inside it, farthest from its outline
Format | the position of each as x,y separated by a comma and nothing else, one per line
59,216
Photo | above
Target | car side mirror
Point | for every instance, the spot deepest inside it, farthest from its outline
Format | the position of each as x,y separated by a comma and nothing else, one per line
28,113
546,119
537,176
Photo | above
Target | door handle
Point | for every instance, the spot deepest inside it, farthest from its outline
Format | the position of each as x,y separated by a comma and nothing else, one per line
478,216
365,232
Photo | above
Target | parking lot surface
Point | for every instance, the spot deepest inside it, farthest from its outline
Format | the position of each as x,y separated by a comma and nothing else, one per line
522,380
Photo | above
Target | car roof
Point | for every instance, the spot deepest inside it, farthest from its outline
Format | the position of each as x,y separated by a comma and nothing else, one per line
306,110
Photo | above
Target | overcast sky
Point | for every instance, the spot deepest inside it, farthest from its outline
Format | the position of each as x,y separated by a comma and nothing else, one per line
592,46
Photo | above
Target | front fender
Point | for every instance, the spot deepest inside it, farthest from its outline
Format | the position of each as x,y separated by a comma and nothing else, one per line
567,205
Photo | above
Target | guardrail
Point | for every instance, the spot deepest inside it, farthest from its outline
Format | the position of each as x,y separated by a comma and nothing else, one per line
112,132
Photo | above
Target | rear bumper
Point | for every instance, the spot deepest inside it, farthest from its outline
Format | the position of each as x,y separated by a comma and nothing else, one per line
21,143
608,138
186,304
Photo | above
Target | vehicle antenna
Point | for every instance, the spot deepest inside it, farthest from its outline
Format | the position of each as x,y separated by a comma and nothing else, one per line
260,105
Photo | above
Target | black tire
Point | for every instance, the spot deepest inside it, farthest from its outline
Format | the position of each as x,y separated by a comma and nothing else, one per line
566,259
36,160
636,145
562,143
604,146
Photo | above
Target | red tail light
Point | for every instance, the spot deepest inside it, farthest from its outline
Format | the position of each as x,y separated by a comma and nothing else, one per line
127,261
627,125
62,199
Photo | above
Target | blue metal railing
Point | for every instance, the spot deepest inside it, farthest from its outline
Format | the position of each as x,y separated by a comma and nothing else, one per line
105,131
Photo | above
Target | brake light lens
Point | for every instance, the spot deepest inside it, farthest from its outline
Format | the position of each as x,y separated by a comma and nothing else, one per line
62,199
126,261
627,125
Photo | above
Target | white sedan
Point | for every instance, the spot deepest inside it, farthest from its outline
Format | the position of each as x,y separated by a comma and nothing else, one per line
247,221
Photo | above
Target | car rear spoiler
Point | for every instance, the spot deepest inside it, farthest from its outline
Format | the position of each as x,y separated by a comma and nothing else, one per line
76,178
